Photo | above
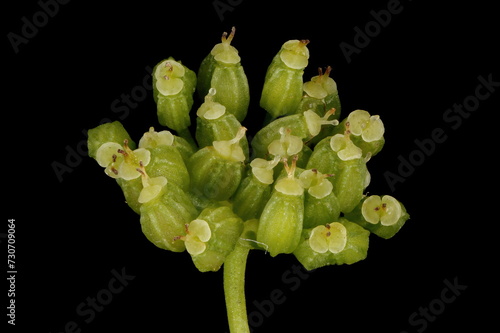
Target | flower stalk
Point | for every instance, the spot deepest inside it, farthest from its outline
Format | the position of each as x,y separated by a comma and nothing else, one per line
234,289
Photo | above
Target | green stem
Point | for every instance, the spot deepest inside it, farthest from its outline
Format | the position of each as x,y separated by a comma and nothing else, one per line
234,289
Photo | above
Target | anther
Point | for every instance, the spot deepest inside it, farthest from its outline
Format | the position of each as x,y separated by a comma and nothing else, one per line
328,70
227,39
140,170
329,113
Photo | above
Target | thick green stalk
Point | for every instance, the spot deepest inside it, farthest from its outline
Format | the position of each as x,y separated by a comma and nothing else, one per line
234,289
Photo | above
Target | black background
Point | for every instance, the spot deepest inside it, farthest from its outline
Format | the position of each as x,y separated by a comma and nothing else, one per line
73,231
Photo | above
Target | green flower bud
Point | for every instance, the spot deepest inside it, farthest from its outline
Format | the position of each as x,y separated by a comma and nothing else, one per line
108,132
222,70
216,171
367,132
165,211
320,202
173,88
211,237
215,124
255,190
334,243
281,221
283,83
384,216
305,126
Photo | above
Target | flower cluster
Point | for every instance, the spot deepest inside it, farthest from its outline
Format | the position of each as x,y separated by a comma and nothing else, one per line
298,187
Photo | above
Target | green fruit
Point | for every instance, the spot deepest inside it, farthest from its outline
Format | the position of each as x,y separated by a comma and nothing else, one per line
108,132
173,88
165,216
166,160
221,69
282,219
320,203
367,132
384,216
215,124
131,190
282,89
350,180
336,243
185,148
321,95
216,171
212,236
338,156
304,126
255,189
349,184
323,158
